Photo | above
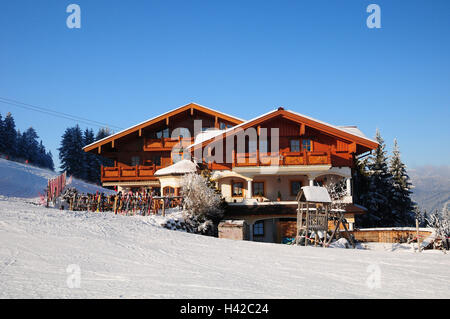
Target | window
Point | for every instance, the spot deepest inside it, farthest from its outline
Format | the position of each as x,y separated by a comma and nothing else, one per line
156,160
224,126
135,160
169,191
258,228
237,188
163,133
258,188
295,187
295,145
306,145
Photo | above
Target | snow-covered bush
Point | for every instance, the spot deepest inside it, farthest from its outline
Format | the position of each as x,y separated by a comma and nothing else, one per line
336,187
202,204
440,225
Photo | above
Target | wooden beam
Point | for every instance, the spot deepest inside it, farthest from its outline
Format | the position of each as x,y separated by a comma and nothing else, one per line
140,132
302,129
112,143
99,149
216,122
352,148
192,111
167,120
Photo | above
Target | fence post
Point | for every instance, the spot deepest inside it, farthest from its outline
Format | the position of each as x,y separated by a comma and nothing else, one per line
418,236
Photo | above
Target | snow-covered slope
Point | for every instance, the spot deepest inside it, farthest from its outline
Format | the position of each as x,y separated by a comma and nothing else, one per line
26,181
124,256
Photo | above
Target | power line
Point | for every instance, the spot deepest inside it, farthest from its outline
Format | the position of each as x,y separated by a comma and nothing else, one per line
55,113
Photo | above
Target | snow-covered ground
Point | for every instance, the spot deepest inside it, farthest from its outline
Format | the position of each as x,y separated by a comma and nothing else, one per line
125,256
44,252
26,181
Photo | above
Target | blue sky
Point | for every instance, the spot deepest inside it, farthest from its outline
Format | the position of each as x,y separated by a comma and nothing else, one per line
132,60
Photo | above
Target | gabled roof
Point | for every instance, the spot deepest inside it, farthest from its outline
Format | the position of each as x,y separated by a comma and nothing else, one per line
351,133
159,118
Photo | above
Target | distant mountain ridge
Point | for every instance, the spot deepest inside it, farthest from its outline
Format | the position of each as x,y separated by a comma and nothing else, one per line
431,186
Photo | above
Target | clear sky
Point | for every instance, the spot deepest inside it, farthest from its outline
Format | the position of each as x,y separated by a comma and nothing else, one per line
132,60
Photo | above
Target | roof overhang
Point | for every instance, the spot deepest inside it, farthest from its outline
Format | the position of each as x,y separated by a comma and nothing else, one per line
341,132
159,118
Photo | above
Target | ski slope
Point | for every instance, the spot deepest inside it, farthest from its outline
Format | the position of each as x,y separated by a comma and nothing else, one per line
26,181
45,251
133,257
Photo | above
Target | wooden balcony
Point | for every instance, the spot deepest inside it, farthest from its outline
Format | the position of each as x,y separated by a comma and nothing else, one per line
165,144
131,173
285,158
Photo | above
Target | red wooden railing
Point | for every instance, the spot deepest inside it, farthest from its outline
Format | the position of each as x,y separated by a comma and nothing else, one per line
129,173
284,158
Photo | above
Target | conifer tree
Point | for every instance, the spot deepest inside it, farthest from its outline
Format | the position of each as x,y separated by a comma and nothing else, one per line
379,192
71,154
2,135
10,135
91,160
401,204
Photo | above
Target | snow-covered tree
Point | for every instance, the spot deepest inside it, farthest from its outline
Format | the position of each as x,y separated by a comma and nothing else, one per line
71,153
202,203
401,204
2,135
379,189
336,187
10,135
92,160
440,225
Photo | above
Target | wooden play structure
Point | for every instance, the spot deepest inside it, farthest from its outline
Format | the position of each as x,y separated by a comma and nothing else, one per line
313,215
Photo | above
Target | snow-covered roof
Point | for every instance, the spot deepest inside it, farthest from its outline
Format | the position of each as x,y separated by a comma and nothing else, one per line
206,135
353,130
316,194
181,167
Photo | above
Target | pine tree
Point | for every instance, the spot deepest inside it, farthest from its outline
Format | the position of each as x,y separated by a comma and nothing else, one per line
21,146
10,135
71,154
401,203
49,161
30,138
2,135
379,192
101,134
91,160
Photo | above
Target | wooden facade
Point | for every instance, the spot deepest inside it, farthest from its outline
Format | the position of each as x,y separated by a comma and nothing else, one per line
139,151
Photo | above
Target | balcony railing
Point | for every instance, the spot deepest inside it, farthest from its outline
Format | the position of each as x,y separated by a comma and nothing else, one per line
151,144
130,173
284,158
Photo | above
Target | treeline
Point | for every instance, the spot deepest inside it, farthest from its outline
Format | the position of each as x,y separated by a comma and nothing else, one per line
75,161
383,186
23,147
